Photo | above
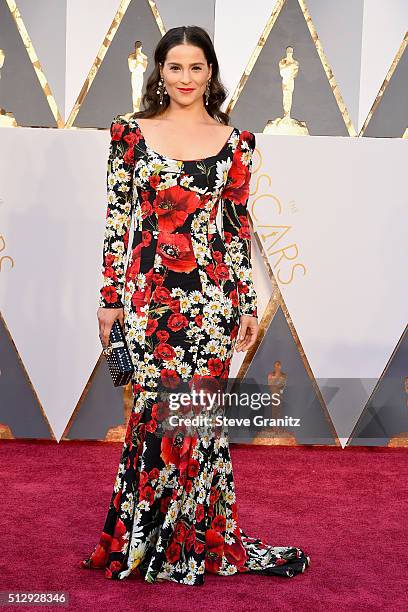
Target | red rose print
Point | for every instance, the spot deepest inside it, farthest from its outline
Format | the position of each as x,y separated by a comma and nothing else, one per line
227,237
101,553
244,232
235,553
109,294
147,493
174,453
141,298
215,366
132,139
234,511
117,130
109,272
116,500
176,251
214,545
143,478
154,473
162,335
237,189
146,208
109,259
199,513
247,136
180,531
234,297
177,321
164,351
217,256
151,425
173,552
157,279
175,305
129,156
214,495
173,205
169,378
162,294
151,327
118,539
222,271
114,566
190,537
219,523
242,287
193,468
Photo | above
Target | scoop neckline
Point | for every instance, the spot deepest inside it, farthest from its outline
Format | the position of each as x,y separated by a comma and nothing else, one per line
183,161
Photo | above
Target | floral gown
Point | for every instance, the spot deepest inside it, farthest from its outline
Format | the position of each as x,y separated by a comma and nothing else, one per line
173,512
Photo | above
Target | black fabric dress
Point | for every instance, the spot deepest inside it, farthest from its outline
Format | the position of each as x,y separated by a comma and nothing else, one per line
173,512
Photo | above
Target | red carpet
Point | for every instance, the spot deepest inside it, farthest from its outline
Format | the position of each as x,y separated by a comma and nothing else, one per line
346,508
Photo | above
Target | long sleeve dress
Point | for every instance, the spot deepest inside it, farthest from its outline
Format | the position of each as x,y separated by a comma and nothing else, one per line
173,511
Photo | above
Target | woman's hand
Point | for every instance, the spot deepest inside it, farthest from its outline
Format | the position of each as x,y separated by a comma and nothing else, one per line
248,332
106,318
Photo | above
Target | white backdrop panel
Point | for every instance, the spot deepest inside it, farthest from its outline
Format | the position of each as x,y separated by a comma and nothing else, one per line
345,202
87,25
52,218
384,27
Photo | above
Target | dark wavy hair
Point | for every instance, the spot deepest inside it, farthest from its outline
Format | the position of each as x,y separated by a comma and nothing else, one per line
193,35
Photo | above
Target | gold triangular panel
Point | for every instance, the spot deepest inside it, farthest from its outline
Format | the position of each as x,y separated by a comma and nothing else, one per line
108,90
384,420
21,414
101,413
388,117
22,95
312,93
277,367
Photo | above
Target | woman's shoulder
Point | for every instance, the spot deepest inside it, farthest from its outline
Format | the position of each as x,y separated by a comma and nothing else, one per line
122,118
246,141
247,137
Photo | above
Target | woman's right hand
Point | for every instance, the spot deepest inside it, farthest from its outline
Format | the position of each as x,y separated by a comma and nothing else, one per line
106,318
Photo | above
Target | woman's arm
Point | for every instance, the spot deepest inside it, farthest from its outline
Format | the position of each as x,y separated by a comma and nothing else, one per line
118,214
235,222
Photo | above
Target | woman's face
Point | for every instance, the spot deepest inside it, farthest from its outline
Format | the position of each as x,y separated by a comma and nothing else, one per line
185,67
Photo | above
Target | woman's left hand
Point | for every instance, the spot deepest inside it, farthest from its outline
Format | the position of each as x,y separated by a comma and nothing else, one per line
248,332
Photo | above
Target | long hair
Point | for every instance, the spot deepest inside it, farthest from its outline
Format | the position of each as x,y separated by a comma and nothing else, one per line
198,37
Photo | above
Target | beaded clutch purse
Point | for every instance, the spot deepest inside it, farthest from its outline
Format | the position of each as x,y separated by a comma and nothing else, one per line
118,356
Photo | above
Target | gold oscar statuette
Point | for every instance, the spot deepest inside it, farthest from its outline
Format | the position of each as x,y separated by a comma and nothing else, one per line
137,62
288,68
277,435
6,119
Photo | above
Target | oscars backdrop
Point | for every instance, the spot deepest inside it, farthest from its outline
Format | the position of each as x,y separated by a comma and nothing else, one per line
323,85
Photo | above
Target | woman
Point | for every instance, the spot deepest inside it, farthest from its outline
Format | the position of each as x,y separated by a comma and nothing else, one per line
186,291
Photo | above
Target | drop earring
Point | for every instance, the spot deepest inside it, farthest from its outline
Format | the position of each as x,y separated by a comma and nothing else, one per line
161,90
207,92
